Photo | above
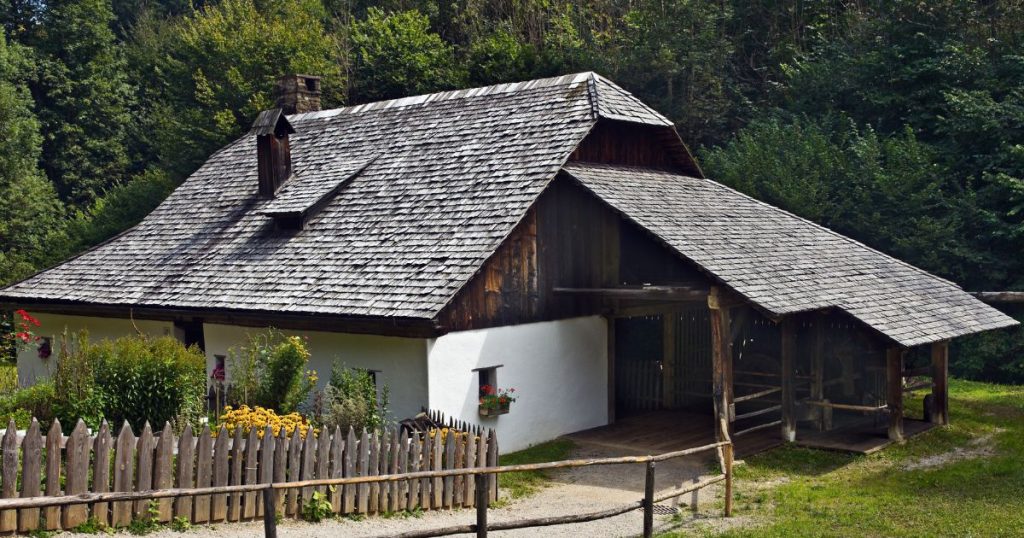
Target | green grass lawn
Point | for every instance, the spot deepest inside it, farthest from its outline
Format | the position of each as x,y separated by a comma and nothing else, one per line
800,492
518,485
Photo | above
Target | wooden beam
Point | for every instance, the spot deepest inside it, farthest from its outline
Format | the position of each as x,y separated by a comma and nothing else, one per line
894,392
721,355
787,354
1000,296
646,293
940,383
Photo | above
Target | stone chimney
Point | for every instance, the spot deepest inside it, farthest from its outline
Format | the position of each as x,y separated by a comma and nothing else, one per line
296,94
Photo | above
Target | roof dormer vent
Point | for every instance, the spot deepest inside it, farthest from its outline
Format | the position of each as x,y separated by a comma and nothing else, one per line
273,155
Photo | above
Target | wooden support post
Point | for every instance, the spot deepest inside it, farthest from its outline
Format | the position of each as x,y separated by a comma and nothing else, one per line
649,501
721,356
668,362
940,383
894,392
482,499
269,513
727,456
786,354
818,370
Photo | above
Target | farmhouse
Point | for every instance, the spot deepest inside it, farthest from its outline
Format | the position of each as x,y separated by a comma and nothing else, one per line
555,236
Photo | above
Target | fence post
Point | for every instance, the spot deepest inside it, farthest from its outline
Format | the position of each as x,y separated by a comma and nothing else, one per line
270,511
482,498
727,450
649,501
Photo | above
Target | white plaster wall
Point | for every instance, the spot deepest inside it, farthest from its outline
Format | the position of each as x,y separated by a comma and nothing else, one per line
31,367
558,368
402,361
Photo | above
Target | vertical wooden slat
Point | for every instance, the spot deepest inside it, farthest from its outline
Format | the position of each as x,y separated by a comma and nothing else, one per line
458,496
470,461
221,472
787,353
294,469
425,452
163,474
268,446
144,447
281,467
940,383
403,467
413,499
383,467
204,475
53,465
481,459
449,463
394,455
185,467
437,484
894,393
337,467
492,461
350,469
363,490
374,469
32,455
818,368
101,472
252,454
9,518
323,457
236,462
77,450
308,471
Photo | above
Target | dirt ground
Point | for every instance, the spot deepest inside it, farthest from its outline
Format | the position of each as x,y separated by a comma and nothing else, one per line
573,491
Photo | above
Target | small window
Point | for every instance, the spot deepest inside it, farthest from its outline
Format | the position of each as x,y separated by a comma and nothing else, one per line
488,377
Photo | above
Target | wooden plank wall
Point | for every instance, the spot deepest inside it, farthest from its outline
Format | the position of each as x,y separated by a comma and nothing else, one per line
60,465
630,144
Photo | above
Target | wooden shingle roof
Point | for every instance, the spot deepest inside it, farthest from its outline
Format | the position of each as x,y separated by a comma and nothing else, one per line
786,264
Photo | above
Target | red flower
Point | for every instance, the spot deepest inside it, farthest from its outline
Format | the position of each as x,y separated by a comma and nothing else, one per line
25,316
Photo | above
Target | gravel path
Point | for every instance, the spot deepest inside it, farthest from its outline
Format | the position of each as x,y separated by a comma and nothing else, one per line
585,489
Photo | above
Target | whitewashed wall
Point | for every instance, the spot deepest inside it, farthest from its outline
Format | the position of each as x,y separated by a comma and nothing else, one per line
31,367
558,368
401,361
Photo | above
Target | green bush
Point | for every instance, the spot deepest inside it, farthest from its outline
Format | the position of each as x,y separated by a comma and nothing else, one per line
23,404
270,371
351,400
76,395
154,379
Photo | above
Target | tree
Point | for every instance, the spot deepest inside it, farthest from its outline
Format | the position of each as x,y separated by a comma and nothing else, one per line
29,209
396,54
84,99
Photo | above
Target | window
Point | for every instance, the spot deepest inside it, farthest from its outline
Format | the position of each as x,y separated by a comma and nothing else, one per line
488,377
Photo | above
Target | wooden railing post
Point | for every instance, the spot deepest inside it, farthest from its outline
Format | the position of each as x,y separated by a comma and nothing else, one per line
649,501
269,511
727,451
482,498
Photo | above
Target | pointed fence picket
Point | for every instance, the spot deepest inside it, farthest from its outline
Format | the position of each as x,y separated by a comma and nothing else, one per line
116,460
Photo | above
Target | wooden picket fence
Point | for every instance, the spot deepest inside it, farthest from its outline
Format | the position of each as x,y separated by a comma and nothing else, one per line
102,463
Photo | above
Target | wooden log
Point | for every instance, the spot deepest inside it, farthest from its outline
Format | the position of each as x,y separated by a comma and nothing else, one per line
163,475
101,472
204,475
403,467
32,455
351,452
221,473
825,404
787,353
757,428
184,468
9,518
144,448
236,464
756,395
894,392
267,448
648,502
76,481
251,475
727,450
720,327
363,469
939,412
759,412
337,467
291,507
308,470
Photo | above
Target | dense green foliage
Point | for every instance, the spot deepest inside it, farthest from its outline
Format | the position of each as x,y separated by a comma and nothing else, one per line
351,399
897,122
134,379
270,371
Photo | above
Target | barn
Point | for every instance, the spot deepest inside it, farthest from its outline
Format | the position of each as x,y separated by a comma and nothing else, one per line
555,236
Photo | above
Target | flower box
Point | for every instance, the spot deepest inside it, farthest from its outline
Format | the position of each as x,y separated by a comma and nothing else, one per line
494,411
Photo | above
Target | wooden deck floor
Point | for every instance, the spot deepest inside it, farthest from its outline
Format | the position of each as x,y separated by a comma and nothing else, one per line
657,432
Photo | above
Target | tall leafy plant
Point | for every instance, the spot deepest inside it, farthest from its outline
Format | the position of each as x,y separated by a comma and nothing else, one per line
270,370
